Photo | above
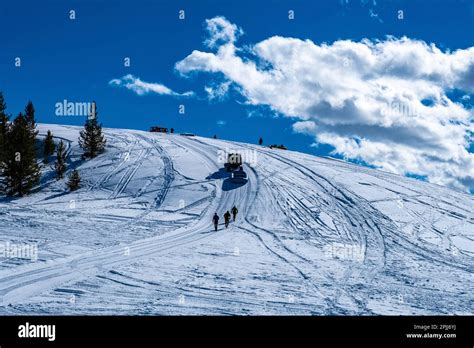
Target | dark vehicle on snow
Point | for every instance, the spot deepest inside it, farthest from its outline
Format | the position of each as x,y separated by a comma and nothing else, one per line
234,161
281,147
156,129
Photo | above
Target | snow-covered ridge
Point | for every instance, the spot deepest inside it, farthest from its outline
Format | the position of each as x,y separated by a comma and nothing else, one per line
313,235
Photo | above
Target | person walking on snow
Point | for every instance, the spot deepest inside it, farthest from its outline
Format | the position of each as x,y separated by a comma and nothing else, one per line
234,211
227,218
215,220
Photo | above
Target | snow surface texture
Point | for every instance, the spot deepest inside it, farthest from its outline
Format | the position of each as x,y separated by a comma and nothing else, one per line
313,235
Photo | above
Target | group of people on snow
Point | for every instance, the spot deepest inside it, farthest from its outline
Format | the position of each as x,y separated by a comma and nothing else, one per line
234,212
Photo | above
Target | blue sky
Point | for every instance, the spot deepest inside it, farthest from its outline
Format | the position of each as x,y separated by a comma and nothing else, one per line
76,59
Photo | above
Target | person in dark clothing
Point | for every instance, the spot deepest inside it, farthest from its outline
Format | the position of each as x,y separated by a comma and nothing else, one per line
215,220
234,211
227,218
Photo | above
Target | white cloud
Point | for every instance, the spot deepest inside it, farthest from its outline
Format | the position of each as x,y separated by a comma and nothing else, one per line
364,98
141,87
217,91
220,30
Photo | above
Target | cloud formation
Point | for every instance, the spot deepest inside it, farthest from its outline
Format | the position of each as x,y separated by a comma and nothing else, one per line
141,87
221,31
384,102
217,91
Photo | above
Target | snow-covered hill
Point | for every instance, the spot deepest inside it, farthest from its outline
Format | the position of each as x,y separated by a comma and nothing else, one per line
313,235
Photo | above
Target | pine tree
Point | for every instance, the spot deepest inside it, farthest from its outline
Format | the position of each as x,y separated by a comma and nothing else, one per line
60,165
30,113
21,170
91,139
74,180
49,146
30,121
4,128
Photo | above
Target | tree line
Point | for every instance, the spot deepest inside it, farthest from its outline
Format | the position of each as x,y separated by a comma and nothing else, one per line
22,158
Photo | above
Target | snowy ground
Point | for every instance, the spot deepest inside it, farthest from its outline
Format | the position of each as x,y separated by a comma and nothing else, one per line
313,236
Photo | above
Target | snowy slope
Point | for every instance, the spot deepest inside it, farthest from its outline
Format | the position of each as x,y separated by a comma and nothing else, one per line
313,235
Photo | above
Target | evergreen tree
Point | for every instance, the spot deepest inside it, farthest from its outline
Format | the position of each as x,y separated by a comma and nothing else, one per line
30,114
30,121
91,139
49,146
60,165
74,180
21,171
4,128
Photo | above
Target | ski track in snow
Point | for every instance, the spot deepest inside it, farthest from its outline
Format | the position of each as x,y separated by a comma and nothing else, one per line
137,237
